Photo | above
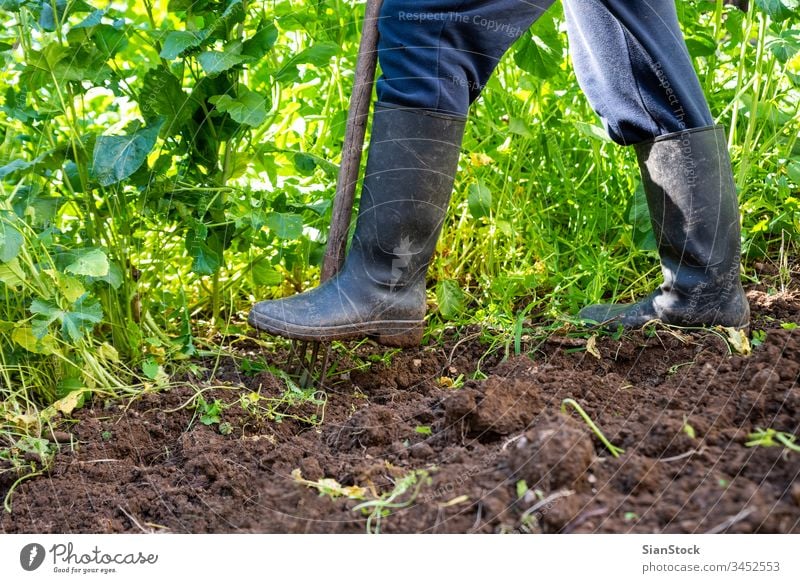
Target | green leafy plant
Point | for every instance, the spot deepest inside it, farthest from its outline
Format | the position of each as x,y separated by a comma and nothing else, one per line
210,413
407,487
772,438
613,449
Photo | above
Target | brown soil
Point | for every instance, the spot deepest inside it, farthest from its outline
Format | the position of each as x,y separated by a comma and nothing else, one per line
679,404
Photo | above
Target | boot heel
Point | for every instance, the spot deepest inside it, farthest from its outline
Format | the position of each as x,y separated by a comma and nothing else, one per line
408,336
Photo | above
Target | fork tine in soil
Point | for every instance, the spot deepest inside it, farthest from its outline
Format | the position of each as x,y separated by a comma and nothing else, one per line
302,366
323,373
301,358
290,358
307,375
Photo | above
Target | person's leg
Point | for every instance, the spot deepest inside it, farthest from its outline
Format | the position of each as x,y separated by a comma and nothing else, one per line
435,56
632,62
439,54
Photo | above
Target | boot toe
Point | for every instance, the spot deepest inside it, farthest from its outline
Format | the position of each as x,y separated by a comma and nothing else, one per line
598,314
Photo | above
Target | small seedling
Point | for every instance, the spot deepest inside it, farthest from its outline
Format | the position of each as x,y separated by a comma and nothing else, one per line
209,412
382,507
377,508
688,429
758,338
630,516
772,438
330,487
738,341
615,451
423,429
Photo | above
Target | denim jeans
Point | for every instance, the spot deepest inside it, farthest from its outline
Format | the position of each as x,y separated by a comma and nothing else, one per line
629,56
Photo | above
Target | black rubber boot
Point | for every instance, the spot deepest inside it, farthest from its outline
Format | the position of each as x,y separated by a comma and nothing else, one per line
380,291
695,215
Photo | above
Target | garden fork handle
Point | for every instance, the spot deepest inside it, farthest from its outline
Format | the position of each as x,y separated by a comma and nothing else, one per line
357,117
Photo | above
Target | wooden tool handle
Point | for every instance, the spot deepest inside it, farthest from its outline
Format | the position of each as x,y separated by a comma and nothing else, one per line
357,118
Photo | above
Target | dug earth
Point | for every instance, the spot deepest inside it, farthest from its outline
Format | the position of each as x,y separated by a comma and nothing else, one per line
450,438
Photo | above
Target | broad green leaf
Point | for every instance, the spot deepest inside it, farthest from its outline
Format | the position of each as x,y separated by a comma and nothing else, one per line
304,163
117,157
47,16
162,95
95,18
114,277
779,10
785,46
70,287
319,55
109,40
233,14
41,65
248,108
261,42
479,200
14,166
151,368
541,49
701,44
450,298
25,337
81,319
11,239
73,400
285,225
91,262
46,309
64,63
206,260
179,41
215,62
11,274
265,274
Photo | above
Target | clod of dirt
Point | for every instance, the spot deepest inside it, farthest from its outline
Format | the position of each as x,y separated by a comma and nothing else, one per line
638,475
668,437
373,426
310,468
496,406
553,455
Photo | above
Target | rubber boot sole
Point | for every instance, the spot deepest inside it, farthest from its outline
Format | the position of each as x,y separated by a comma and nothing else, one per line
392,333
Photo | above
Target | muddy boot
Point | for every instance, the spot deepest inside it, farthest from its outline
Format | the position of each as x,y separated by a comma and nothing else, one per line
380,290
693,208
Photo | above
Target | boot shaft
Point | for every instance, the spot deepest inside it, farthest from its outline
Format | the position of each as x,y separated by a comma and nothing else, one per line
692,197
413,156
